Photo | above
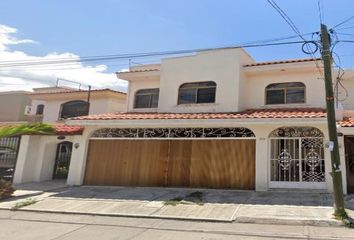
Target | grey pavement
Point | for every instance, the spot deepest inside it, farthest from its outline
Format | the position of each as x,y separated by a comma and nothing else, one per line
280,207
18,225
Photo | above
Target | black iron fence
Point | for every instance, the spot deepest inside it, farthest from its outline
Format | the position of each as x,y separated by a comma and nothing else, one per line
8,156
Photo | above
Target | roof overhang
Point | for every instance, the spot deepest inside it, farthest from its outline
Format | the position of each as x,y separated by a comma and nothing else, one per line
197,122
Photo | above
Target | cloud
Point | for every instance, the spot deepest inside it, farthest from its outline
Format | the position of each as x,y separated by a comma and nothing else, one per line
26,78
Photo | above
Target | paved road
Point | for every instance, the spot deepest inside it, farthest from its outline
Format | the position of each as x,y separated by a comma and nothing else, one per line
28,225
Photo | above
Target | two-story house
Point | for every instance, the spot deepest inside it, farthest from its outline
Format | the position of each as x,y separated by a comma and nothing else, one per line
53,105
216,119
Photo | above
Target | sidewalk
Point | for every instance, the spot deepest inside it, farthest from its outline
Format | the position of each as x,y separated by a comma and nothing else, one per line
294,208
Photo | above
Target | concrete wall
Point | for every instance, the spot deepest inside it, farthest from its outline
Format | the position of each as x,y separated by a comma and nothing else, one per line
36,158
12,106
221,67
346,94
238,87
254,85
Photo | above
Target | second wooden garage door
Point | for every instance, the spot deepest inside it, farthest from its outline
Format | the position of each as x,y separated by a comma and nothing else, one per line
187,163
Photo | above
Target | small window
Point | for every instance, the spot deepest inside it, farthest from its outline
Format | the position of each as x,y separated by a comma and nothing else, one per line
285,93
74,109
200,92
40,109
147,98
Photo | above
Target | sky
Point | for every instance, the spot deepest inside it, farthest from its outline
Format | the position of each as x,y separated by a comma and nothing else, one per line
52,29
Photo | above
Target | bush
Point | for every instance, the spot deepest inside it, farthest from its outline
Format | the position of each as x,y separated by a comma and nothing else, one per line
6,190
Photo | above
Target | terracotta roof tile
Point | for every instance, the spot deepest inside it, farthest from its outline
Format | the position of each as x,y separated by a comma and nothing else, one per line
62,129
76,91
281,62
247,114
347,122
141,70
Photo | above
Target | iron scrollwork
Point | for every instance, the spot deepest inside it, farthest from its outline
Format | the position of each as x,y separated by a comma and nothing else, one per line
173,133
297,132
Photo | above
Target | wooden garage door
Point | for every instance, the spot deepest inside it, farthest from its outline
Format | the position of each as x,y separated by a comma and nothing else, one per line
188,163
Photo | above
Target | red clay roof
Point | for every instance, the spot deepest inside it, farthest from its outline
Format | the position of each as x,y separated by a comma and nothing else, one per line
247,114
75,91
62,129
140,70
347,122
282,61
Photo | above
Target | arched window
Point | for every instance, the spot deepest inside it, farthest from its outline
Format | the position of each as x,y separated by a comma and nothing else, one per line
74,109
285,93
40,109
147,98
199,92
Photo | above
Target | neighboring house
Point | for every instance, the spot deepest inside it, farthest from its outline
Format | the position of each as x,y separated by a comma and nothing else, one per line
215,119
53,105
12,111
57,104
16,111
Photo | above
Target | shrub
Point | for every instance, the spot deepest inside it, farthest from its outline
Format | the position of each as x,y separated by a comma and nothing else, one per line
6,190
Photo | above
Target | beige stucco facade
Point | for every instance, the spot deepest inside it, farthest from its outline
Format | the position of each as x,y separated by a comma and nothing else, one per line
100,102
240,84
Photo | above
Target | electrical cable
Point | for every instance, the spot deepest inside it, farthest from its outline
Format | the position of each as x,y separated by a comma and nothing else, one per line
343,22
139,55
297,31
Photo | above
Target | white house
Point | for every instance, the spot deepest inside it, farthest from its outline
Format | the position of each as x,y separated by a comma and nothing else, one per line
43,158
215,119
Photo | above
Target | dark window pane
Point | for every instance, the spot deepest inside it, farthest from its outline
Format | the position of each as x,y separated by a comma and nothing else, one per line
74,109
285,85
142,101
40,109
295,96
275,97
147,98
148,91
206,95
198,84
154,100
187,96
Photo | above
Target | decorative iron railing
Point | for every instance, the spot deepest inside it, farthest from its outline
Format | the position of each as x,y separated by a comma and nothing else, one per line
173,133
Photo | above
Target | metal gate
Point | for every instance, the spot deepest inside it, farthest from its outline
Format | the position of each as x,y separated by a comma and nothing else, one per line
8,156
62,160
297,158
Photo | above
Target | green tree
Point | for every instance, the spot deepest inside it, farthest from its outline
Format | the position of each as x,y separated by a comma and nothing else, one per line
27,129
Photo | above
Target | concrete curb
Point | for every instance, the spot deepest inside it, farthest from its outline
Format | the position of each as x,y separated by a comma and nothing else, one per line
127,215
289,221
282,221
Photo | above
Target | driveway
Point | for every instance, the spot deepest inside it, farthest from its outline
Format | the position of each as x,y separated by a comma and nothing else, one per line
292,207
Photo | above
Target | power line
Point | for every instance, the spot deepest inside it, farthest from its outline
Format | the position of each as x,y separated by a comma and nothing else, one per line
103,57
137,55
343,22
320,7
297,31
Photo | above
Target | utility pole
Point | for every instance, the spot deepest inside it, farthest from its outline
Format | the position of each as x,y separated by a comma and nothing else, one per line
339,210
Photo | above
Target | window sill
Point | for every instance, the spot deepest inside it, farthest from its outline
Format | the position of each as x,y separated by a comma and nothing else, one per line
292,105
143,110
196,105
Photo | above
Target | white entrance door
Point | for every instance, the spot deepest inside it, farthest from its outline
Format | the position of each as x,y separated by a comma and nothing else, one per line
297,162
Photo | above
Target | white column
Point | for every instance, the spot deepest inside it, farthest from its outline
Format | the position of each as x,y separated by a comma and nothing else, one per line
78,161
261,164
262,159
27,159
